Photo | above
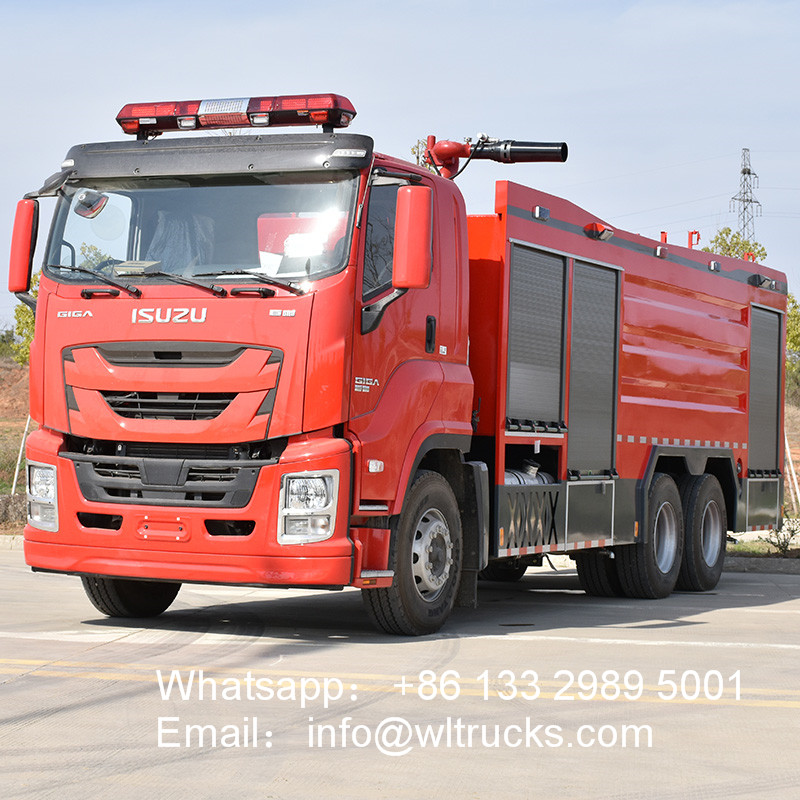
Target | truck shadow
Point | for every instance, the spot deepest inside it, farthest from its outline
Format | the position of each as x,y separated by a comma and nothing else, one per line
540,602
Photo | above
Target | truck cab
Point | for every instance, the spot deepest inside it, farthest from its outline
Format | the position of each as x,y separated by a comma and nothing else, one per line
236,368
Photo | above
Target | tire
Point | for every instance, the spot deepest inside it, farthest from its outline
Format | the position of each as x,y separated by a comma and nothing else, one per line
423,591
503,571
597,573
649,569
118,597
706,532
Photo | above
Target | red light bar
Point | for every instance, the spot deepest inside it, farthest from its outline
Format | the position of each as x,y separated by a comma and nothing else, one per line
151,119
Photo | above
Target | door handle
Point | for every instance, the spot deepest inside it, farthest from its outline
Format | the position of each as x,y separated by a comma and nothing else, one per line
430,335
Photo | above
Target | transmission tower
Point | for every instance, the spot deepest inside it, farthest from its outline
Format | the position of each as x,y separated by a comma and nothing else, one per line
749,207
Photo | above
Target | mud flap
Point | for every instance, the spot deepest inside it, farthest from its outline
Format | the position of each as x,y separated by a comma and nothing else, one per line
475,527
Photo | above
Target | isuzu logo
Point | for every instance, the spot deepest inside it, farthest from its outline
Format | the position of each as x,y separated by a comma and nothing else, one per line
147,315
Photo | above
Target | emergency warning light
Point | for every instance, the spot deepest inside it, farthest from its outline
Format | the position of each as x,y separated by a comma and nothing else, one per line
146,120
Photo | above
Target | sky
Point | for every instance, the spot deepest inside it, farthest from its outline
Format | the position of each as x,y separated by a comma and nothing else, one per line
656,98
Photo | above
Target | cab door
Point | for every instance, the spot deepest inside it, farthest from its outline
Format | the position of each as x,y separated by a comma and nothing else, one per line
396,376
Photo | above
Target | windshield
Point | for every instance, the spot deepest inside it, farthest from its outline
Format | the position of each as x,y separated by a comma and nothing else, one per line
288,227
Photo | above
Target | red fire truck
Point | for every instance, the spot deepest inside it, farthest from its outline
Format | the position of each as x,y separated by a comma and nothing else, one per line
288,360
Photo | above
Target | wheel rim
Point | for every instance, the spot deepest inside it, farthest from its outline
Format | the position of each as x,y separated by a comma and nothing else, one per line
666,537
711,533
431,554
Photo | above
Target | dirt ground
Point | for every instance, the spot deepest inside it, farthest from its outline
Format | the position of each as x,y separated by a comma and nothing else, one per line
13,416
792,423
13,393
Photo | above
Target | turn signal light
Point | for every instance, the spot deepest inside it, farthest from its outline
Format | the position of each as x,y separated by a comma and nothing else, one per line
596,230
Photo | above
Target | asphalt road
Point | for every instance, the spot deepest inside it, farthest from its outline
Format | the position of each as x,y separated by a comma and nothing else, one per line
541,692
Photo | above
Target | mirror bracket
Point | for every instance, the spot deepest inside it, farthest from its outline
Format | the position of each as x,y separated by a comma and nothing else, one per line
28,299
371,314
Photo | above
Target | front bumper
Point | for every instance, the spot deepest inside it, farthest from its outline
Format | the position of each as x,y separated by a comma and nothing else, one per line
184,543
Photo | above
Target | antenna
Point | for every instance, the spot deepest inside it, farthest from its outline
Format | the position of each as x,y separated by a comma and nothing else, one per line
749,207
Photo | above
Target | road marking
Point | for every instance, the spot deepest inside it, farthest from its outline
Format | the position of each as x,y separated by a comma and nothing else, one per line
145,636
222,592
142,636
765,610
534,637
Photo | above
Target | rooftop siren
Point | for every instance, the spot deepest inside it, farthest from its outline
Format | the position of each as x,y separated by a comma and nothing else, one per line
147,120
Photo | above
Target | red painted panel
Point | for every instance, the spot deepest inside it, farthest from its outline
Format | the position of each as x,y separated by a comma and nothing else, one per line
280,323
685,330
194,554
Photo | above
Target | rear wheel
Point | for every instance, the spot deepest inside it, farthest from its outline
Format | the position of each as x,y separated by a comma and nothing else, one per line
706,530
119,597
426,559
650,568
597,573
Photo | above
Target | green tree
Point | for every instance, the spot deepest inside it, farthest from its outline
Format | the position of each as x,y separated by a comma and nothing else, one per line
793,325
23,316
729,243
92,256
792,351
23,327
7,343
418,151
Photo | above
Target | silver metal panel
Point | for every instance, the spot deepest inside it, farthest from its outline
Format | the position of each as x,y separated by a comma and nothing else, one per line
536,335
763,498
593,369
590,511
765,384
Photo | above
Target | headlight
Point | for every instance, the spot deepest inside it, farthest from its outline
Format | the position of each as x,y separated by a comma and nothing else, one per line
42,482
307,510
42,497
308,494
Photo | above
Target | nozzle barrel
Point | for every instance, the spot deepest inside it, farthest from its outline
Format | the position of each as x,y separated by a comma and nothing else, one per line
511,151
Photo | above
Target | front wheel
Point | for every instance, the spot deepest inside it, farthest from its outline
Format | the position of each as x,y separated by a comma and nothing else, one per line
426,559
650,568
118,597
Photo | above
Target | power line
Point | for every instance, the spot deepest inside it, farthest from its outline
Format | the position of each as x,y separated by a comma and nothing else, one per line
640,172
671,205
660,226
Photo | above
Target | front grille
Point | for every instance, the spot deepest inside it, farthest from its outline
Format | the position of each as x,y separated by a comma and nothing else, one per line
166,482
211,474
168,405
174,354
180,450
119,453
117,470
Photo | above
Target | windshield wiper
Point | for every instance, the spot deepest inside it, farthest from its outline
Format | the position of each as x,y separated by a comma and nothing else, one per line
219,291
256,276
131,290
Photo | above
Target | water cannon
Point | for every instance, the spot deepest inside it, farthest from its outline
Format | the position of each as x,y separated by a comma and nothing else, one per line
444,156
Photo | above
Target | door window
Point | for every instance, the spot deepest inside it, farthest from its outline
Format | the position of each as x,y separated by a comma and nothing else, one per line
379,239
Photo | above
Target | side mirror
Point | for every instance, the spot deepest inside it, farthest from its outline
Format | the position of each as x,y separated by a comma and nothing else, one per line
90,203
23,244
413,227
